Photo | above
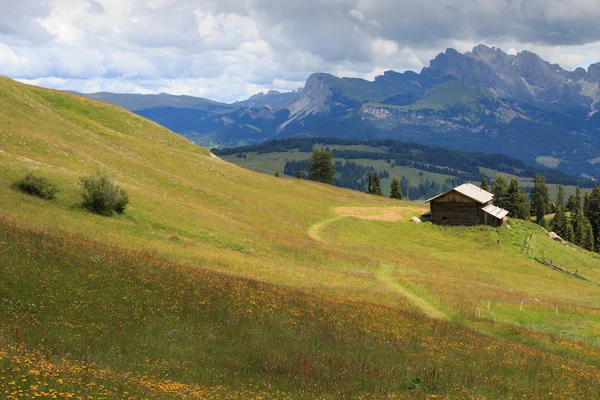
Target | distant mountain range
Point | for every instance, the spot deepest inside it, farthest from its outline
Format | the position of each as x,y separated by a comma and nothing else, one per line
483,100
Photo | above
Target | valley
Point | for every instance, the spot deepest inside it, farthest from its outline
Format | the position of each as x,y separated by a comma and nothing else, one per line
411,164
222,282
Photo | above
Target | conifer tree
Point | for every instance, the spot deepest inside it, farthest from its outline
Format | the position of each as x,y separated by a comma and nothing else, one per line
577,219
370,183
574,200
376,185
299,175
517,202
499,189
540,199
588,237
586,205
396,190
569,234
484,185
578,222
276,174
593,213
320,167
559,222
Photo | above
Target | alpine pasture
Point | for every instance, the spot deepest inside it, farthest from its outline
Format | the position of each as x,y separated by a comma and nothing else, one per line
219,282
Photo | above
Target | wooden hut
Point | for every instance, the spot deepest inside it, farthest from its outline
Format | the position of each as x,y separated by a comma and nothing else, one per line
466,205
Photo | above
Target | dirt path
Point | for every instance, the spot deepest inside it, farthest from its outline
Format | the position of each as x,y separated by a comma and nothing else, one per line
315,230
386,274
386,269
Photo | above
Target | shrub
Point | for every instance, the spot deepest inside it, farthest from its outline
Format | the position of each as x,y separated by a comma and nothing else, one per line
103,196
37,186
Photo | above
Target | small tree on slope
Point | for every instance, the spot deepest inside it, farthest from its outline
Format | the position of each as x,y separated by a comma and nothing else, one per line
320,167
540,199
396,190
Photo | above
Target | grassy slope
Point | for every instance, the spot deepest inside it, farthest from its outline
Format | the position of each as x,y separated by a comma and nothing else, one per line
331,325
450,93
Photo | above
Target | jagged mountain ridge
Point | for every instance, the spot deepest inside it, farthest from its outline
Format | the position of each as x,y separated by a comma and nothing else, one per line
523,78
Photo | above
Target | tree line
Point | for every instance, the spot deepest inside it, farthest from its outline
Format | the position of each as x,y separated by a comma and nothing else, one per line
576,220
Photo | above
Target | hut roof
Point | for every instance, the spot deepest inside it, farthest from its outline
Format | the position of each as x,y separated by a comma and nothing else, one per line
471,191
494,211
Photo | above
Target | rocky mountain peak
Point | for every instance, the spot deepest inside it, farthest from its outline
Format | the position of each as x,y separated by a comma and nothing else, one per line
593,73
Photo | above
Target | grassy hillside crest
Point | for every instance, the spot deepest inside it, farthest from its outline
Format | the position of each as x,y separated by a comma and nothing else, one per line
219,282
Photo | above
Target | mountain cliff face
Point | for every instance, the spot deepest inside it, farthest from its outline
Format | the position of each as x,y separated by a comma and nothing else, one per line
523,78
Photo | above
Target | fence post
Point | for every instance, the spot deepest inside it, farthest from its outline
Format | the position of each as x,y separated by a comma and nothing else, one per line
489,301
521,306
557,309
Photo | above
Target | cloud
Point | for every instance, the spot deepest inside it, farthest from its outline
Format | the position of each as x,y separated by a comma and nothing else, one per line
229,49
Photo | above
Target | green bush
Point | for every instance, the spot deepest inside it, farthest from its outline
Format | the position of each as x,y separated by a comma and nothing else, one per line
37,186
103,196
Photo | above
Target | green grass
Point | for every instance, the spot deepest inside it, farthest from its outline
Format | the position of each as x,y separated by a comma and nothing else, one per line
448,94
547,161
267,163
104,322
211,286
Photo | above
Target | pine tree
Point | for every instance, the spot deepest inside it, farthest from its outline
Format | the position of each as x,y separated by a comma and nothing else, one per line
517,202
320,167
299,175
593,212
577,219
540,199
499,189
569,233
484,185
588,239
578,222
396,190
376,185
586,205
276,174
559,222
574,200
370,183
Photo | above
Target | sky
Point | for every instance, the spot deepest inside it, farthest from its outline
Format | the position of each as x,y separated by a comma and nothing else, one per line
228,50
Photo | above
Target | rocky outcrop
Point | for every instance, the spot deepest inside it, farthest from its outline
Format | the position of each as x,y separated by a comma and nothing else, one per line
554,236
593,74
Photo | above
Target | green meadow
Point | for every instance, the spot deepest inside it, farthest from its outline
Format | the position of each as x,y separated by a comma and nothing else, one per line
221,282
